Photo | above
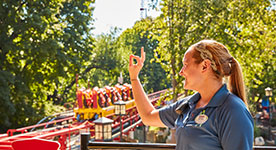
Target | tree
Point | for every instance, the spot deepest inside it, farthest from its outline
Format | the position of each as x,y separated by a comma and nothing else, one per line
152,75
43,44
255,48
110,58
183,23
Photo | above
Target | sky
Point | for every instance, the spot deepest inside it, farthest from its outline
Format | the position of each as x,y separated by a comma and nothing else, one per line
117,13
120,13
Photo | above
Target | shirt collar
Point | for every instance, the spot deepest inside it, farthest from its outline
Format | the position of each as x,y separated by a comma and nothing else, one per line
216,100
194,99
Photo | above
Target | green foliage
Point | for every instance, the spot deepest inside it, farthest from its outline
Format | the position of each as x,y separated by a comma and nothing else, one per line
6,79
51,109
247,28
152,75
110,60
257,131
43,44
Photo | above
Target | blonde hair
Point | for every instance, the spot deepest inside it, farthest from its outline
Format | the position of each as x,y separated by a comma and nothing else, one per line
222,63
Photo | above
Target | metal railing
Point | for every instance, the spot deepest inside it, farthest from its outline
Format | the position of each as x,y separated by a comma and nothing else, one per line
124,145
86,145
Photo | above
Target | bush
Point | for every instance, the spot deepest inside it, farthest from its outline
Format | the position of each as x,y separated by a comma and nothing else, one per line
257,131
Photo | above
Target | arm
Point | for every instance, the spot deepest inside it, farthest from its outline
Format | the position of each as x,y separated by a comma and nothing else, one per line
148,114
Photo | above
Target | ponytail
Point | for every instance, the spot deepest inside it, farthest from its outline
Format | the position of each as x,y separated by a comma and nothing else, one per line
236,84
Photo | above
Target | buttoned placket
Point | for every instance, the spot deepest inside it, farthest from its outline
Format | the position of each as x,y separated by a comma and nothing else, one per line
188,116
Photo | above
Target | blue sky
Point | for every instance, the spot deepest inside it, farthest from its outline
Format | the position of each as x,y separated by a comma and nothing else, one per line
119,13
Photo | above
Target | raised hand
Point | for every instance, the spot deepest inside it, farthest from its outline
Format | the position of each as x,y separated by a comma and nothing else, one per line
134,69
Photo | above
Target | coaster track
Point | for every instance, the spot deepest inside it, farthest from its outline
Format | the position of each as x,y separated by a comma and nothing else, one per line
91,104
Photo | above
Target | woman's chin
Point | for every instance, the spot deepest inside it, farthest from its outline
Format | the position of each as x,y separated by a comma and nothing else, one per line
186,87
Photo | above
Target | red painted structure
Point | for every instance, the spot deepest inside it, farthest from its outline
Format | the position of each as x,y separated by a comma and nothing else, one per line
63,129
34,144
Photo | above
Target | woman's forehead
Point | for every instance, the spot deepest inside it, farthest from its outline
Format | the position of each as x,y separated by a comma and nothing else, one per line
188,55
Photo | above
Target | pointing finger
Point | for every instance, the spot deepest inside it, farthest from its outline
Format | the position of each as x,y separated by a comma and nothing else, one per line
143,54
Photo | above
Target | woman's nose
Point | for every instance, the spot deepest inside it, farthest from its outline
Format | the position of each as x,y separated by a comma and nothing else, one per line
181,71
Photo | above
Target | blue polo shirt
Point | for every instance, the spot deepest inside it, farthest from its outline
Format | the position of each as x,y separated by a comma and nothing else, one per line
229,126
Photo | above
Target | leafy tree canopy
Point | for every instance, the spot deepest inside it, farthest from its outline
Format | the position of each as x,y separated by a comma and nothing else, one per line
247,28
153,76
43,44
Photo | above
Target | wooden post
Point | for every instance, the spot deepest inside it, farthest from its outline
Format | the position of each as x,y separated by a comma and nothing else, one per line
84,140
144,133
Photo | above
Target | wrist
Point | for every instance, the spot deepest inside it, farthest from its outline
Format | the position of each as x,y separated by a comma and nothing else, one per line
134,79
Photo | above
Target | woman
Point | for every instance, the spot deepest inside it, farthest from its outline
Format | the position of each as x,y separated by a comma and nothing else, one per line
211,119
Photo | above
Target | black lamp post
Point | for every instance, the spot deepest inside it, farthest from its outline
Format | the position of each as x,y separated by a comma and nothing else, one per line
120,109
268,94
103,130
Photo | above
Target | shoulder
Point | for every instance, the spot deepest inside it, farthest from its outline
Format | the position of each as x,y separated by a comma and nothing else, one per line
178,105
234,108
168,114
184,99
233,102
179,102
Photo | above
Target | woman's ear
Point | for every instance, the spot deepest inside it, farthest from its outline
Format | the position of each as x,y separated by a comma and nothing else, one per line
206,64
